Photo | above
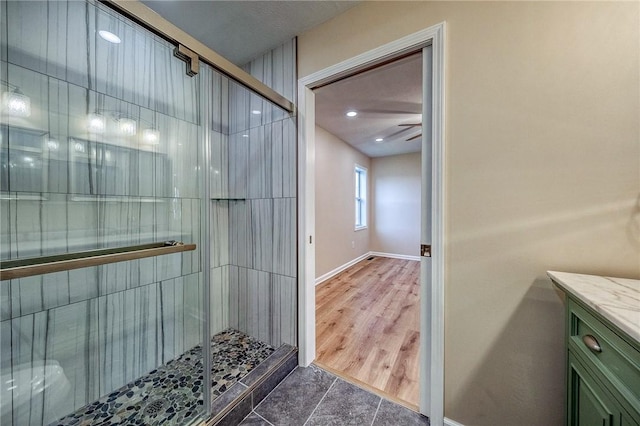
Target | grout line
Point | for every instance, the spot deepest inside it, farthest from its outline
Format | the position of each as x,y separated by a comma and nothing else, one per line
377,409
262,417
320,402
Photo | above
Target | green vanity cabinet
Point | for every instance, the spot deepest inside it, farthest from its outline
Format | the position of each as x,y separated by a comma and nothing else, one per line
603,370
589,404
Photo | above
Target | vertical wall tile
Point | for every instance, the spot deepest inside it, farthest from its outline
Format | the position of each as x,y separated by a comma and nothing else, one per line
193,310
55,289
259,185
190,234
168,216
4,26
219,165
219,103
219,238
28,343
5,300
284,310
5,226
71,334
25,135
56,146
38,225
239,108
238,295
172,330
6,408
129,337
261,249
284,236
26,296
289,158
4,149
82,223
220,300
83,284
240,235
239,164
277,160
46,38
27,225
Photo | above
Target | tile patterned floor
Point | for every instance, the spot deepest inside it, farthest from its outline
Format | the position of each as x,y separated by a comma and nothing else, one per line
172,394
313,396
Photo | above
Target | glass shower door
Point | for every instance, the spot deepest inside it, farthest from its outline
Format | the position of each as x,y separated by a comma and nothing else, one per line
100,147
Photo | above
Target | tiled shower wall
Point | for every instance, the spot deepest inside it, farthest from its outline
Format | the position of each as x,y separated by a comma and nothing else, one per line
64,189
254,208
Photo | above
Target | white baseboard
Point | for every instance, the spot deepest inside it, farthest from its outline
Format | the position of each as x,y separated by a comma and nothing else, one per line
394,256
449,422
339,269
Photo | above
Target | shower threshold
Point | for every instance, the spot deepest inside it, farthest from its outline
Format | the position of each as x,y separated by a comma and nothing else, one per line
172,393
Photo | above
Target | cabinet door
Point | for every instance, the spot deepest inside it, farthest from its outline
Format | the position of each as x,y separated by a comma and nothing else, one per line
589,404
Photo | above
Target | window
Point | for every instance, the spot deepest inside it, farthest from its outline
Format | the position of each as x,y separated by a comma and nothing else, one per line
361,197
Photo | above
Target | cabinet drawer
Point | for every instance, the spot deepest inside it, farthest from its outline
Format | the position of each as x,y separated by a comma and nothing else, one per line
617,360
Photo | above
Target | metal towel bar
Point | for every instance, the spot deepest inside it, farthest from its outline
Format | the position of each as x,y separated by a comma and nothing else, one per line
21,268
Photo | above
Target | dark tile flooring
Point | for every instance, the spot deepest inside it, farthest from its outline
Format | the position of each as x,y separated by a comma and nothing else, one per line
313,396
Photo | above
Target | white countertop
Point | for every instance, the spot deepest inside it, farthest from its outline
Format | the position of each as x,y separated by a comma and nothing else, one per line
617,299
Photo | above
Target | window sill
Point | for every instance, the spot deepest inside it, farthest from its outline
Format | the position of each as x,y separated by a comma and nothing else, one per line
360,228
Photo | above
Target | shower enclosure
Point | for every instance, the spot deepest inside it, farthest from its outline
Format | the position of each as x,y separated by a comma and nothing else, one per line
175,193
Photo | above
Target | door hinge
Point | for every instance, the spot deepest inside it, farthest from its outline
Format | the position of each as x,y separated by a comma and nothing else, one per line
425,250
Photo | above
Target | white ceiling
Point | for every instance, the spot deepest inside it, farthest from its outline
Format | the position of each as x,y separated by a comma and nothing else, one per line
384,98
241,30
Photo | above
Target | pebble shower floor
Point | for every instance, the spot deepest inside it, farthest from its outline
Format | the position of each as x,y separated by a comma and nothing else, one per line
172,394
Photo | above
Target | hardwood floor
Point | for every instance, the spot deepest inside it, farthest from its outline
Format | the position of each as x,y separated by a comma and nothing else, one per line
367,325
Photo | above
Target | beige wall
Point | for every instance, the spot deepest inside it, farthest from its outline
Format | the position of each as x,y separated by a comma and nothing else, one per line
395,204
337,241
543,172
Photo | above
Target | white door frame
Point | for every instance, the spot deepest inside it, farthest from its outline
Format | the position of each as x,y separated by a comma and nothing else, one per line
431,326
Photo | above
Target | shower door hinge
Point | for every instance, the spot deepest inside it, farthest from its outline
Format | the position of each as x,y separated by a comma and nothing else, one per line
190,57
425,250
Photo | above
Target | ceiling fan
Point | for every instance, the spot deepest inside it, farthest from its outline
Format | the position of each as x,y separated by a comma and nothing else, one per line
410,125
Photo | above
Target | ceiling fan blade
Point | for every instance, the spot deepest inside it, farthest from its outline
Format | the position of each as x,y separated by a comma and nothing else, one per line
414,137
410,125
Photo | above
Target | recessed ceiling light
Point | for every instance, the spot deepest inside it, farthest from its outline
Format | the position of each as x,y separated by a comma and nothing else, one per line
379,140
110,37
352,114
245,136
256,112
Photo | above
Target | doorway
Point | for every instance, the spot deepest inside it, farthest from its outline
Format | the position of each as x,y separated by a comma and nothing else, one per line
368,141
432,232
